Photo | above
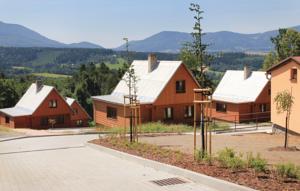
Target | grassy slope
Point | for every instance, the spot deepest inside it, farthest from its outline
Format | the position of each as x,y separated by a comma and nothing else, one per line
51,75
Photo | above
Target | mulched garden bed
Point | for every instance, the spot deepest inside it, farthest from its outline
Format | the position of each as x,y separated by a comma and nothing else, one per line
288,149
268,181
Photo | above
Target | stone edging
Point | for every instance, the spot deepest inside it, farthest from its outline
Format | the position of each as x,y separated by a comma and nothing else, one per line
212,182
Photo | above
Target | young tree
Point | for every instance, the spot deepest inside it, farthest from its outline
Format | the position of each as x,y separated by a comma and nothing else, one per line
195,56
194,53
284,102
131,80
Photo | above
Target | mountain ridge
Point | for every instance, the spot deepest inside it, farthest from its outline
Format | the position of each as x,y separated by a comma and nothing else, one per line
226,41
15,35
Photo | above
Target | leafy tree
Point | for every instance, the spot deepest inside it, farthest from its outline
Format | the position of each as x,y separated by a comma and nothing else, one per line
194,53
287,43
284,102
92,79
8,95
270,59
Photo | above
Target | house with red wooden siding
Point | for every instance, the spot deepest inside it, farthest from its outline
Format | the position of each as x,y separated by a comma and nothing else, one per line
241,96
79,117
41,107
164,89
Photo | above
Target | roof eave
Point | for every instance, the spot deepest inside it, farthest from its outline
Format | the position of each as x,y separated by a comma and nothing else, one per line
269,70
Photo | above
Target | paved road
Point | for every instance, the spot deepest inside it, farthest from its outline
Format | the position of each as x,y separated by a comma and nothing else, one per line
64,163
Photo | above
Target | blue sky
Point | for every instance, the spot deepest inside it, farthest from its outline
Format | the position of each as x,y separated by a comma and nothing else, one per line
106,22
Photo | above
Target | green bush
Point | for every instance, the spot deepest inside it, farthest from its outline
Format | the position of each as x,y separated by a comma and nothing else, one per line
257,163
288,170
228,158
92,124
202,156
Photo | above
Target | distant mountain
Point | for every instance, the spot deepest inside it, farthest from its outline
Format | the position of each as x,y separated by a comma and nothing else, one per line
171,41
14,35
84,45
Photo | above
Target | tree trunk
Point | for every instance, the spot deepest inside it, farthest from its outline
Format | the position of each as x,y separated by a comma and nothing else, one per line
286,132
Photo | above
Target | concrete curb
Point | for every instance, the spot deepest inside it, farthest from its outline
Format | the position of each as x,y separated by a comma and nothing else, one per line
212,182
37,136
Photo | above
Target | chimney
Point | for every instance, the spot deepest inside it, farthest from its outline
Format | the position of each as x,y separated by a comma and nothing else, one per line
152,61
247,72
39,85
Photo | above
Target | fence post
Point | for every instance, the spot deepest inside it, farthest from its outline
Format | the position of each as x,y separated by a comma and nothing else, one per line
256,121
235,123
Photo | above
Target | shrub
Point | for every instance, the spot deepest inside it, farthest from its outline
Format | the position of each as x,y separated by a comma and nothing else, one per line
288,170
204,156
199,155
229,159
209,159
224,155
91,124
257,163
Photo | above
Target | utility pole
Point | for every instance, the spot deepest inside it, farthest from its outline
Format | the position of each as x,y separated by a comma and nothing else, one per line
130,96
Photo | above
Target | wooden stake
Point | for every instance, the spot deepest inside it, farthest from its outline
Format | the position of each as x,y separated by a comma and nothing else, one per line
195,124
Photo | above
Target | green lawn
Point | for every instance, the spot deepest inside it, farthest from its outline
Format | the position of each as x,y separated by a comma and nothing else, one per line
158,127
51,75
220,126
117,65
154,127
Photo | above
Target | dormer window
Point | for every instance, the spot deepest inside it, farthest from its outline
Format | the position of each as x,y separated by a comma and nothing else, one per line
180,86
294,74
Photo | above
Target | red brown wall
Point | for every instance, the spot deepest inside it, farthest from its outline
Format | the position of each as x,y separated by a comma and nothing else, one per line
155,112
178,101
231,114
11,123
100,115
44,111
81,115
245,111
178,113
169,96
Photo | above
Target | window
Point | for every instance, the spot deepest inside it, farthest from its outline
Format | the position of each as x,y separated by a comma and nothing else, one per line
111,113
53,104
75,111
60,119
221,107
263,107
79,122
180,86
7,119
44,121
294,74
189,111
169,113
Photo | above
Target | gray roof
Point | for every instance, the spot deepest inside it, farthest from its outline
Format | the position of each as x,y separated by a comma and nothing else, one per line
29,102
16,111
149,85
234,88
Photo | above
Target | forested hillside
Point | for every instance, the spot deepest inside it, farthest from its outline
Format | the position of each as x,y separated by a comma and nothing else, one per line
82,73
62,61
